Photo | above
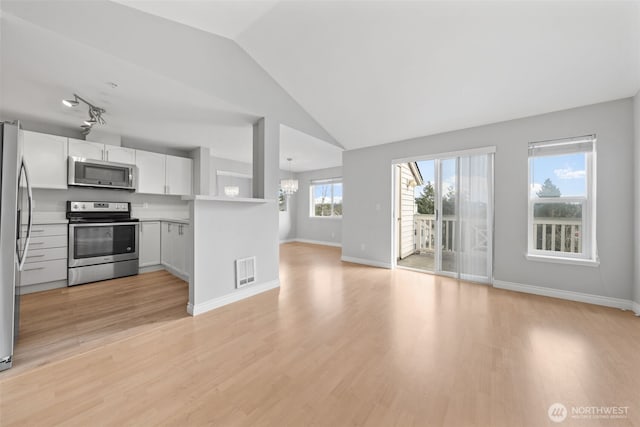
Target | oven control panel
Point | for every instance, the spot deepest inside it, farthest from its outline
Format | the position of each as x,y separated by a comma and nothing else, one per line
99,207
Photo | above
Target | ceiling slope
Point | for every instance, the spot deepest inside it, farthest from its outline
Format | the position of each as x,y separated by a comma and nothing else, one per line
201,61
376,72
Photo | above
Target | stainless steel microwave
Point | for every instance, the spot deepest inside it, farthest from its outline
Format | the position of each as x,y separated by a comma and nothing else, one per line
97,173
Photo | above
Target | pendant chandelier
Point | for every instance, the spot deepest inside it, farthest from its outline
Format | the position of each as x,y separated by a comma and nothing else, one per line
290,185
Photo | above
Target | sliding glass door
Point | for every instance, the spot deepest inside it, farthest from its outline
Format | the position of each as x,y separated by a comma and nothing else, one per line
453,219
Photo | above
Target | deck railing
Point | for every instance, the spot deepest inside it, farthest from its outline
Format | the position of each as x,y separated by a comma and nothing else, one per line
557,234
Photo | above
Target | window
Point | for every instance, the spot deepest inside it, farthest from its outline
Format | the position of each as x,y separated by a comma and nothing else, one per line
326,198
562,200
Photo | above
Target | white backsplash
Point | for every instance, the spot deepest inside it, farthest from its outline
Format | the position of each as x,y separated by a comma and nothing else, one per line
54,202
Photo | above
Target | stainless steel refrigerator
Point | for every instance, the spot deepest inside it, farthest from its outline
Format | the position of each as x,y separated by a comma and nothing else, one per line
16,211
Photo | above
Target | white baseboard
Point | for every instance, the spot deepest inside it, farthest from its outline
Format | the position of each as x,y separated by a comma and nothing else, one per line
287,241
176,273
367,262
319,242
237,295
622,304
636,308
150,268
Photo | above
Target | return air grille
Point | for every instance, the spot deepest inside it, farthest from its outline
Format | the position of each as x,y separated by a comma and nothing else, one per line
245,271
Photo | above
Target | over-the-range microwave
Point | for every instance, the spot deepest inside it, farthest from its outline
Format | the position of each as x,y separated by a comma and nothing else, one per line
97,173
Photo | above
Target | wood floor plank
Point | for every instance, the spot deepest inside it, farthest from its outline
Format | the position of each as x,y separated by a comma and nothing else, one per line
338,344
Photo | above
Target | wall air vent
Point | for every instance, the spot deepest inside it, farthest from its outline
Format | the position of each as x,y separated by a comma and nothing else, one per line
245,271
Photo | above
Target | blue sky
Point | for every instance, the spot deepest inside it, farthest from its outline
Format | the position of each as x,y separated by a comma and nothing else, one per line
337,192
567,172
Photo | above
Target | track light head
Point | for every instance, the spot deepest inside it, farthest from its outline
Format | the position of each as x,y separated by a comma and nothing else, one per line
95,113
70,103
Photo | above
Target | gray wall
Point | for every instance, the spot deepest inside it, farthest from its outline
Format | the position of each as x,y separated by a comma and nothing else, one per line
636,180
367,221
317,229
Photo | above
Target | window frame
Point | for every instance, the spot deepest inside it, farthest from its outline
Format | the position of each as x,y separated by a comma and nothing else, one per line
589,254
332,182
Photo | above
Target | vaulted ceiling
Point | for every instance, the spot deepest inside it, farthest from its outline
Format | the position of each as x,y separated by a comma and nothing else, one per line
349,73
373,72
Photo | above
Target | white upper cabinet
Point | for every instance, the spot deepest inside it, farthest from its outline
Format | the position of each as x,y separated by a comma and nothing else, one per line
179,176
113,153
151,172
98,151
46,159
86,149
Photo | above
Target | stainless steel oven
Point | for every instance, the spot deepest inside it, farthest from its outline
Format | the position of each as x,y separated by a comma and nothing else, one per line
103,241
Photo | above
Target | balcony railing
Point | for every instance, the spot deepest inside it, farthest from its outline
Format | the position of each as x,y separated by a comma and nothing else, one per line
557,234
425,227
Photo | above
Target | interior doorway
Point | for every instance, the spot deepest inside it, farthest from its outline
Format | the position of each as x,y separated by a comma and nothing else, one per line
443,214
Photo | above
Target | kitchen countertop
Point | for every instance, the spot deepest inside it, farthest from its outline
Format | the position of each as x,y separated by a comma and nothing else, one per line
165,219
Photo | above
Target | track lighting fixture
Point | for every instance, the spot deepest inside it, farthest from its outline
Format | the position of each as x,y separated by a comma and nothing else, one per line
95,113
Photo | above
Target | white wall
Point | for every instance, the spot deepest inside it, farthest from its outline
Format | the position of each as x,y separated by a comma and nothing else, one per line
367,221
317,229
224,231
636,180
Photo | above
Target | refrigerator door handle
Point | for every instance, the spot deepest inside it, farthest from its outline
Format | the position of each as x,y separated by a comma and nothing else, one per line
30,220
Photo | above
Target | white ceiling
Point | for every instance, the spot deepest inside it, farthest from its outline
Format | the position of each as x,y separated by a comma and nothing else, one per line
40,68
373,72
368,72
376,72
224,18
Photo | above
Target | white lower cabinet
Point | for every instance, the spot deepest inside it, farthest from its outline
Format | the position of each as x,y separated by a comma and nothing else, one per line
149,243
46,263
174,238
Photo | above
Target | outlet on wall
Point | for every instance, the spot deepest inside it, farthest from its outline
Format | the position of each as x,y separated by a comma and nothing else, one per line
333,234
362,246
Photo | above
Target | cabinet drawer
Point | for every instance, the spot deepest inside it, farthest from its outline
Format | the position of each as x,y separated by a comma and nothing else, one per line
42,272
46,230
39,255
46,242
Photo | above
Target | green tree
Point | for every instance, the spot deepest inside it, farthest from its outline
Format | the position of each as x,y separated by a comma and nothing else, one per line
555,210
449,202
426,200
549,189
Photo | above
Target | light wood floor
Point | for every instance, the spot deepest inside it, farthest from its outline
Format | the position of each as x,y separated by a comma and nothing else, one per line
342,344
64,322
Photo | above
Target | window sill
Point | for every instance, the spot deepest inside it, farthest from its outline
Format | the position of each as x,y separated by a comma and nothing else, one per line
563,260
326,217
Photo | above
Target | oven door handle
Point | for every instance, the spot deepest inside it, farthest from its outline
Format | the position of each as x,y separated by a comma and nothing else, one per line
101,224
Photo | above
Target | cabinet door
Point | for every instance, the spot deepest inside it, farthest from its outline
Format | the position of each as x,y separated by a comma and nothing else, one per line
179,175
149,243
117,154
86,149
151,167
181,249
168,243
46,158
